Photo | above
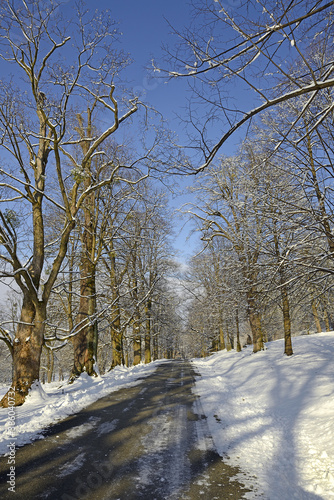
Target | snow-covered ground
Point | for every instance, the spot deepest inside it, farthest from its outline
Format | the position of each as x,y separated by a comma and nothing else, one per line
53,402
273,415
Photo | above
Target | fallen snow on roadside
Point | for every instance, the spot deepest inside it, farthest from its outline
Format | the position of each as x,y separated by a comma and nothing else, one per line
273,416
50,403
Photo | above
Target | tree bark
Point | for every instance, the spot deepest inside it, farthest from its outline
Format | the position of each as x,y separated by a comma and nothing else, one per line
50,357
316,316
287,321
238,330
284,294
27,350
115,326
221,338
85,342
255,323
228,340
136,339
155,342
86,339
327,319
215,345
148,331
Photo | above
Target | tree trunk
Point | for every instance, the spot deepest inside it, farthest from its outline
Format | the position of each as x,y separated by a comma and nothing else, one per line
148,332
117,348
50,357
238,330
287,321
316,316
284,296
221,338
215,345
263,331
85,341
136,339
27,350
228,340
115,325
155,346
327,319
255,324
116,332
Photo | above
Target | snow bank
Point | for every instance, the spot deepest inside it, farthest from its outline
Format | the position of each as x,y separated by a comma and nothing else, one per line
53,402
273,416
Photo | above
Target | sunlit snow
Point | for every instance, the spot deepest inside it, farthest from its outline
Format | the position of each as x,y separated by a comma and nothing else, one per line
269,414
273,415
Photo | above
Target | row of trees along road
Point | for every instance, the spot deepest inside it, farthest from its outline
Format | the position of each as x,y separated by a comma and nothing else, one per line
264,248
265,215
74,203
83,230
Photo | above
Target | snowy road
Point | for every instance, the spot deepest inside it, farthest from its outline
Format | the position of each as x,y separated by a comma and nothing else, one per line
147,442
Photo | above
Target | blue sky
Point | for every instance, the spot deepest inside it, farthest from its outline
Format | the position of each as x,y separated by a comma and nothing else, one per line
145,28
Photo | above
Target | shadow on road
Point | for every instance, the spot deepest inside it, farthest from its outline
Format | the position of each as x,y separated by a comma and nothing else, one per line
145,442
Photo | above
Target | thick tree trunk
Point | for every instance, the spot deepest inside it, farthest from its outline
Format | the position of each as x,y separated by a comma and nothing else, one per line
215,345
27,351
85,350
85,341
117,350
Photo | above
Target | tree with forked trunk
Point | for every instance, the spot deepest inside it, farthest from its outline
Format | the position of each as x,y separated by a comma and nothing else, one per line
37,140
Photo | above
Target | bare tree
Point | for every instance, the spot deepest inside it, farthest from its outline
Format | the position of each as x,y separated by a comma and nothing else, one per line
251,48
228,208
37,140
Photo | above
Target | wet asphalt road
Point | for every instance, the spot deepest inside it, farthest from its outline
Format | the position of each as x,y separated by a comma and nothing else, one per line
147,442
